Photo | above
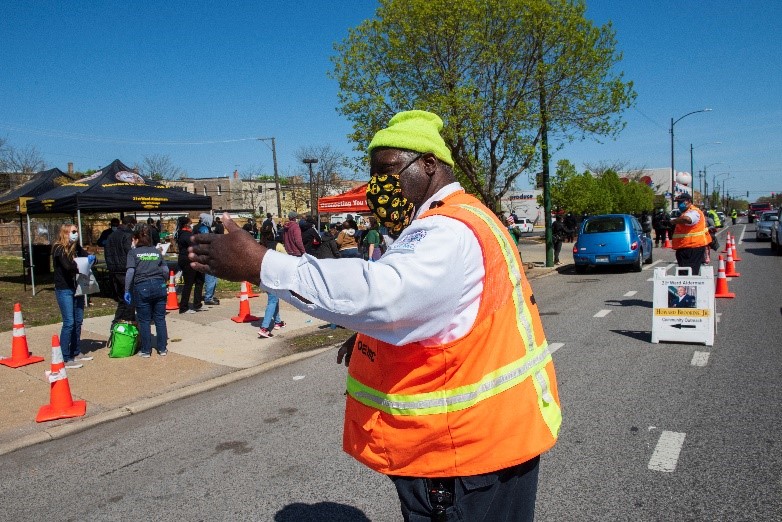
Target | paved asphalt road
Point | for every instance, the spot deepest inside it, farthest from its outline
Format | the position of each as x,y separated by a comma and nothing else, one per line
268,448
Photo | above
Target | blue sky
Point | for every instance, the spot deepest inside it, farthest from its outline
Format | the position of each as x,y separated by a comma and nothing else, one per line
89,82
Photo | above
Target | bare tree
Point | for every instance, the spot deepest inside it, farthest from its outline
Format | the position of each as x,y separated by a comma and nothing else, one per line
18,164
633,173
159,166
27,160
603,166
5,151
332,167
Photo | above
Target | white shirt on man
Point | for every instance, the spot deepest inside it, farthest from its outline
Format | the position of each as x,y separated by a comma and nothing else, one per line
426,287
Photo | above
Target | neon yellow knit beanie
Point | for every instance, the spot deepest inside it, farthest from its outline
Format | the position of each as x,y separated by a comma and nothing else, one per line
418,131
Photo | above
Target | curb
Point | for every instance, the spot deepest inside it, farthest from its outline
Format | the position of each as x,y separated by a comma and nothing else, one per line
134,408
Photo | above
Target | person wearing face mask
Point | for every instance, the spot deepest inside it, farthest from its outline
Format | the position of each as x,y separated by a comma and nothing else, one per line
451,390
104,236
690,235
116,253
64,251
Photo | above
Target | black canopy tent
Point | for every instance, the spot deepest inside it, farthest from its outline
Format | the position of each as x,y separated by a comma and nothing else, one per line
14,200
114,188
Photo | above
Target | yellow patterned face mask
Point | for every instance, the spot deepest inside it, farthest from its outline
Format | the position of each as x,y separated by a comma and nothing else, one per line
385,200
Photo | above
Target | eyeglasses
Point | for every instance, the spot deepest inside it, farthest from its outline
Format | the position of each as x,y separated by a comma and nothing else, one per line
418,157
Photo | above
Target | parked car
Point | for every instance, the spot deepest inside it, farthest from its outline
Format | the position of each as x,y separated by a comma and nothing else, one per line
523,225
612,239
776,234
722,218
763,225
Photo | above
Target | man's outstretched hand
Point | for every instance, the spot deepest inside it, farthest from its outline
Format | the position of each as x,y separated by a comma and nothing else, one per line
234,256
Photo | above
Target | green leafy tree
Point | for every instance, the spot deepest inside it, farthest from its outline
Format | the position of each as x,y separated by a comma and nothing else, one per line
572,192
638,197
482,65
602,194
560,197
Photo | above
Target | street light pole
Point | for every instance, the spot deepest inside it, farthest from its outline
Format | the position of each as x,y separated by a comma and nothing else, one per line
318,177
724,204
715,186
713,182
673,169
313,203
701,185
705,186
276,176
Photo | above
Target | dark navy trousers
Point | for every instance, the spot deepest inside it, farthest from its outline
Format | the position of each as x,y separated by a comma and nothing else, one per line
507,495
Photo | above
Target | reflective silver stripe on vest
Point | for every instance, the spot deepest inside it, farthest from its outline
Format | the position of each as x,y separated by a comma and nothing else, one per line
453,400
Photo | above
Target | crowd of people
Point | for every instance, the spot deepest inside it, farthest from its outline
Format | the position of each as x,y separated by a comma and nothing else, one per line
137,276
138,273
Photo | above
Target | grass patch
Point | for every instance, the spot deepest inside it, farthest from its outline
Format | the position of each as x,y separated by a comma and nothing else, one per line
42,308
319,339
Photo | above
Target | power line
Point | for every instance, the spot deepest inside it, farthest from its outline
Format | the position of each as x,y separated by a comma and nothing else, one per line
656,124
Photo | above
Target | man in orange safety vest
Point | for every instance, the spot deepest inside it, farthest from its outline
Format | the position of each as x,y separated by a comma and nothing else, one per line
451,390
691,235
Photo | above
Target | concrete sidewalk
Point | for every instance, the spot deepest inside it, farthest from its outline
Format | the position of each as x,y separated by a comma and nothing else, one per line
206,350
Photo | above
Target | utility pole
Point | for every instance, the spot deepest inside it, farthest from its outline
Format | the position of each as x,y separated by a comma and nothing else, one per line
276,176
313,199
673,171
705,189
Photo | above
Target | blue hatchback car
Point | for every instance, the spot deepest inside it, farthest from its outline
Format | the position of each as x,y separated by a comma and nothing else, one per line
612,239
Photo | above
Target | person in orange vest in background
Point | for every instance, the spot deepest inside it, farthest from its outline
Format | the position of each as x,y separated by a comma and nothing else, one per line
690,235
451,389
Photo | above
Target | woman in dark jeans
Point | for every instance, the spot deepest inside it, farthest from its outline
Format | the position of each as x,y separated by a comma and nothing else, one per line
146,276
64,252
191,277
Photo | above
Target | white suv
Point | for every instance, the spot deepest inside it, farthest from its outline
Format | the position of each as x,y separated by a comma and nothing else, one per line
523,225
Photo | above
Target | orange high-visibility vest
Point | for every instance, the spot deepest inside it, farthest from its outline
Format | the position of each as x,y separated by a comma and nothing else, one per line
484,402
691,236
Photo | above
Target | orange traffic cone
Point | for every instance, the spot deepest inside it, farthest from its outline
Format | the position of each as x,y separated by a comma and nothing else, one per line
722,283
668,243
727,243
736,257
244,307
61,404
250,292
730,267
171,302
20,353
